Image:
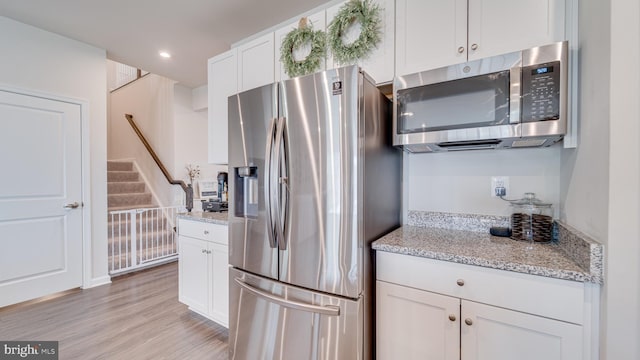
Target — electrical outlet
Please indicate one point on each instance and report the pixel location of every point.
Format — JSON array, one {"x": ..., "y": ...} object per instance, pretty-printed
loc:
[{"x": 499, "y": 186}]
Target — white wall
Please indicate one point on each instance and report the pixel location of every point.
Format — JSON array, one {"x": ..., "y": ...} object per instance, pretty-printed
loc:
[
  {"x": 460, "y": 182},
  {"x": 38, "y": 60},
  {"x": 150, "y": 101},
  {"x": 622, "y": 283},
  {"x": 191, "y": 138},
  {"x": 585, "y": 170}
]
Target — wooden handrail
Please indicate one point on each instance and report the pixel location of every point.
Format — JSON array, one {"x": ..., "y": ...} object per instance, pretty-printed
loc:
[{"x": 155, "y": 157}]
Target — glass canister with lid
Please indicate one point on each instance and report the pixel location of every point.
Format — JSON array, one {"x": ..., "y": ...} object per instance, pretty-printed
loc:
[{"x": 531, "y": 219}]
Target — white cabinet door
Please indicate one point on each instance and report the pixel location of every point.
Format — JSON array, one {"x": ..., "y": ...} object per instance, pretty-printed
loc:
[
  {"x": 492, "y": 333},
  {"x": 318, "y": 21},
  {"x": 415, "y": 324},
  {"x": 502, "y": 26},
  {"x": 430, "y": 34},
  {"x": 193, "y": 276},
  {"x": 256, "y": 63},
  {"x": 223, "y": 82},
  {"x": 219, "y": 297},
  {"x": 380, "y": 63}
]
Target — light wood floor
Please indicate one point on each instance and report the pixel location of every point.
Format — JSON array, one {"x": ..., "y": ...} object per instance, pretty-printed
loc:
[{"x": 138, "y": 316}]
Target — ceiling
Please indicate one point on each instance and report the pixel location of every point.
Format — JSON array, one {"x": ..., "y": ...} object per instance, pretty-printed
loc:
[{"x": 133, "y": 32}]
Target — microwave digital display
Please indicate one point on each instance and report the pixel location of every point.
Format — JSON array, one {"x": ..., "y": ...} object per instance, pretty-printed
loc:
[{"x": 542, "y": 70}]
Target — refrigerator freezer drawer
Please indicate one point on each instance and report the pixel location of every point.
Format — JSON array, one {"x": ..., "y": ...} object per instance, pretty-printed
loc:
[{"x": 272, "y": 320}]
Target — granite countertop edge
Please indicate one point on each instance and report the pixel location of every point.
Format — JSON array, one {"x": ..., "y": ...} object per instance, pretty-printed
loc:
[
  {"x": 220, "y": 218},
  {"x": 425, "y": 244}
]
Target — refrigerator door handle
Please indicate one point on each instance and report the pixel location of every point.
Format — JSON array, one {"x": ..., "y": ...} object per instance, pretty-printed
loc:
[
  {"x": 267, "y": 183},
  {"x": 297, "y": 305},
  {"x": 282, "y": 244}
]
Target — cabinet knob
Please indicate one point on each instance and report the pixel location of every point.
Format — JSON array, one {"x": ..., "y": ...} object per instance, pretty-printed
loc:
[
  {"x": 460, "y": 282},
  {"x": 206, "y": 232},
  {"x": 452, "y": 317},
  {"x": 461, "y": 49},
  {"x": 474, "y": 47},
  {"x": 204, "y": 251},
  {"x": 468, "y": 321}
]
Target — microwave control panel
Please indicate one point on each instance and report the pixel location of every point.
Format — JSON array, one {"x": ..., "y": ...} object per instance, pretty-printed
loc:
[{"x": 541, "y": 92}]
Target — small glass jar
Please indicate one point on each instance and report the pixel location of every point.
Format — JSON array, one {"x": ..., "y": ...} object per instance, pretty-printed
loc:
[{"x": 531, "y": 219}]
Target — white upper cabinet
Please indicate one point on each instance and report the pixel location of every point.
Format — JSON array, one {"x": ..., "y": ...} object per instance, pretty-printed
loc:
[
  {"x": 222, "y": 82},
  {"x": 436, "y": 33},
  {"x": 428, "y": 34},
  {"x": 256, "y": 63},
  {"x": 501, "y": 26},
  {"x": 318, "y": 21},
  {"x": 380, "y": 63}
]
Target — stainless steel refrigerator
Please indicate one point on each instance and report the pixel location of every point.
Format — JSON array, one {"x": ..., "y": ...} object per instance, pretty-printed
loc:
[{"x": 313, "y": 181}]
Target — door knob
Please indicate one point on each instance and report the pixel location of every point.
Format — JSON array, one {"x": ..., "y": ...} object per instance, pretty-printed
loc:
[{"x": 73, "y": 205}]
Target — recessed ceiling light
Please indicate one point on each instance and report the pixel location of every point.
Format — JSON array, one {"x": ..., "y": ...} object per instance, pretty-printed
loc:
[{"x": 165, "y": 54}]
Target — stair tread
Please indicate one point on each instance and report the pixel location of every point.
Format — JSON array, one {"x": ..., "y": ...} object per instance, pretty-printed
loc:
[{"x": 130, "y": 194}]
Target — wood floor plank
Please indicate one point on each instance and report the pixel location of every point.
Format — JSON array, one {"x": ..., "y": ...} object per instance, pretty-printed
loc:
[{"x": 137, "y": 316}]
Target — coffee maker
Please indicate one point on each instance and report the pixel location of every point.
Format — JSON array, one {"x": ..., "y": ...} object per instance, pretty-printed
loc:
[
  {"x": 223, "y": 178},
  {"x": 220, "y": 203}
]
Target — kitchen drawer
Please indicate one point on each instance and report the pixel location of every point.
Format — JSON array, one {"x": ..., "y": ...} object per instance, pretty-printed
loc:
[
  {"x": 549, "y": 297},
  {"x": 204, "y": 231}
]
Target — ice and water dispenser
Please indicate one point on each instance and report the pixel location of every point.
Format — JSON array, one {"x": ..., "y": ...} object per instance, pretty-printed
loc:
[{"x": 245, "y": 193}]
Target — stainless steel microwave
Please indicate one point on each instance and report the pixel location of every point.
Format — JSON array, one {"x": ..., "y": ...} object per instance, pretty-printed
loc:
[{"x": 506, "y": 101}]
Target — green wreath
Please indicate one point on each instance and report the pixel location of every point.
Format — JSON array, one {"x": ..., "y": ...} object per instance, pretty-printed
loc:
[
  {"x": 296, "y": 38},
  {"x": 368, "y": 15}
]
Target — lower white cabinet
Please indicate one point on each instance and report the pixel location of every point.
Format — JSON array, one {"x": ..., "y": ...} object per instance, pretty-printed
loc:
[
  {"x": 493, "y": 333},
  {"x": 445, "y": 314},
  {"x": 204, "y": 269},
  {"x": 415, "y": 324}
]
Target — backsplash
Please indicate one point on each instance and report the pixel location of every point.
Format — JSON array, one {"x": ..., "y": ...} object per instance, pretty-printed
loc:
[
  {"x": 582, "y": 249},
  {"x": 451, "y": 221}
]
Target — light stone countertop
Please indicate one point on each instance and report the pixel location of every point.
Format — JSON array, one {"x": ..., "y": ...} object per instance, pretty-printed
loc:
[
  {"x": 220, "y": 218},
  {"x": 481, "y": 249}
]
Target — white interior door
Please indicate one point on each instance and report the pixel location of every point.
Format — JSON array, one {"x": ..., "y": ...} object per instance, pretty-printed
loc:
[{"x": 40, "y": 186}]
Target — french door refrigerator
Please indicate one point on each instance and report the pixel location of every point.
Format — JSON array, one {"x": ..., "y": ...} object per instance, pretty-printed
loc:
[{"x": 313, "y": 181}]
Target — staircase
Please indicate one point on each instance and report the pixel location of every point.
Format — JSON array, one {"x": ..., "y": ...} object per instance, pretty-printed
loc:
[
  {"x": 124, "y": 187},
  {"x": 129, "y": 204}
]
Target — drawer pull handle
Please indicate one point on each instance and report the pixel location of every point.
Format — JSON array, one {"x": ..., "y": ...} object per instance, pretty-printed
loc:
[
  {"x": 460, "y": 282},
  {"x": 468, "y": 321},
  {"x": 206, "y": 232},
  {"x": 452, "y": 317}
]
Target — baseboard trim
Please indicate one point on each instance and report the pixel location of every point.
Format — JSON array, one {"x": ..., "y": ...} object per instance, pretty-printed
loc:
[{"x": 95, "y": 282}]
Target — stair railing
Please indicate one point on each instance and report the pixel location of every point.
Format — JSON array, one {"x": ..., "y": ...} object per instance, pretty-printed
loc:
[{"x": 155, "y": 157}]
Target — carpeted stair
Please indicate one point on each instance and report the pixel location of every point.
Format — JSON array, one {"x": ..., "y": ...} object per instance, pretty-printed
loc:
[{"x": 155, "y": 236}]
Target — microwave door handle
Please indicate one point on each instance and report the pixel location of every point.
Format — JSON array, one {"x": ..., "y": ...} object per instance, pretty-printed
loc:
[
  {"x": 292, "y": 304},
  {"x": 515, "y": 94},
  {"x": 276, "y": 188},
  {"x": 267, "y": 182}
]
